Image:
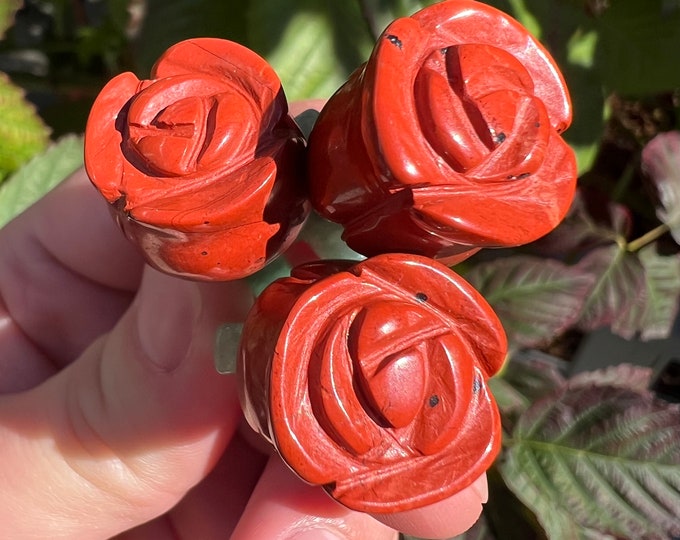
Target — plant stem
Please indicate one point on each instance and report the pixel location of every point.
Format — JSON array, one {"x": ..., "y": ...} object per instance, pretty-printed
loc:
[{"x": 648, "y": 237}]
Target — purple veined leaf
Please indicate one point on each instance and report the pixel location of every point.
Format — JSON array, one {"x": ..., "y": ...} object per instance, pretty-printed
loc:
[
  {"x": 655, "y": 317},
  {"x": 593, "y": 220},
  {"x": 535, "y": 298},
  {"x": 628, "y": 376},
  {"x": 528, "y": 376},
  {"x": 661, "y": 162},
  {"x": 618, "y": 292},
  {"x": 597, "y": 461}
]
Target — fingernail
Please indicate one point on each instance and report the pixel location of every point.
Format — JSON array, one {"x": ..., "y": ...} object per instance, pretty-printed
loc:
[
  {"x": 315, "y": 534},
  {"x": 168, "y": 310}
]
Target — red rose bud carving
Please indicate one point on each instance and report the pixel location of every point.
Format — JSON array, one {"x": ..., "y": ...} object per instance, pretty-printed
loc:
[
  {"x": 447, "y": 140},
  {"x": 370, "y": 379},
  {"x": 202, "y": 163}
]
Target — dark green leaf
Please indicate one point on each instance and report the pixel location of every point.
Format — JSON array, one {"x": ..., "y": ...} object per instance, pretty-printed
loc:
[
  {"x": 619, "y": 289},
  {"x": 167, "y": 22},
  {"x": 535, "y": 298},
  {"x": 661, "y": 163},
  {"x": 595, "y": 460},
  {"x": 22, "y": 133},
  {"x": 40, "y": 175},
  {"x": 637, "y": 46}
]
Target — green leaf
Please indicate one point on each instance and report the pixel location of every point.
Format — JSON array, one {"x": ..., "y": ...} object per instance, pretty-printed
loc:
[
  {"x": 313, "y": 45},
  {"x": 535, "y": 298},
  {"x": 22, "y": 133},
  {"x": 168, "y": 22},
  {"x": 619, "y": 287},
  {"x": 596, "y": 461},
  {"x": 661, "y": 163},
  {"x": 380, "y": 13},
  {"x": 40, "y": 175},
  {"x": 637, "y": 47},
  {"x": 7, "y": 10}
]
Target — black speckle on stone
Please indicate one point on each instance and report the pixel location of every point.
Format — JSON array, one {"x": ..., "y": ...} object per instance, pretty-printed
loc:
[
  {"x": 518, "y": 176},
  {"x": 421, "y": 297},
  {"x": 394, "y": 40},
  {"x": 537, "y": 125},
  {"x": 204, "y": 253},
  {"x": 434, "y": 400},
  {"x": 500, "y": 137}
]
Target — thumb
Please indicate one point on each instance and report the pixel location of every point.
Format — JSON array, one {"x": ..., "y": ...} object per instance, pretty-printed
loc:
[{"x": 122, "y": 433}]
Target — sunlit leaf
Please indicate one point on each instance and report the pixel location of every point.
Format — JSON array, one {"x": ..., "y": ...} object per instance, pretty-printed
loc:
[
  {"x": 598, "y": 461},
  {"x": 39, "y": 175},
  {"x": 313, "y": 45},
  {"x": 661, "y": 163},
  {"x": 7, "y": 10},
  {"x": 535, "y": 298},
  {"x": 619, "y": 288},
  {"x": 22, "y": 132}
]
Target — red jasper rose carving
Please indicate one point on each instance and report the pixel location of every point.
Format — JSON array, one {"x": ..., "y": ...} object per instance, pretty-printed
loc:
[
  {"x": 447, "y": 139},
  {"x": 370, "y": 379},
  {"x": 202, "y": 162}
]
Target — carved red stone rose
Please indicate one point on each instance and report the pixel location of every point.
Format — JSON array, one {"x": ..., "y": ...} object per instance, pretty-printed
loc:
[
  {"x": 370, "y": 379},
  {"x": 447, "y": 139},
  {"x": 202, "y": 163}
]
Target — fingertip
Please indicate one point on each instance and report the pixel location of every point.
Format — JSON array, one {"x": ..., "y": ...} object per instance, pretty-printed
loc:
[
  {"x": 283, "y": 507},
  {"x": 444, "y": 519}
]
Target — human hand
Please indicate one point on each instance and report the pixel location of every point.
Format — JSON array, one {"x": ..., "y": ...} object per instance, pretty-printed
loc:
[{"x": 113, "y": 420}]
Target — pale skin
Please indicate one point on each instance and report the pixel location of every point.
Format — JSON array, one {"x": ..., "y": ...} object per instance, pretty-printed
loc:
[{"x": 113, "y": 420}]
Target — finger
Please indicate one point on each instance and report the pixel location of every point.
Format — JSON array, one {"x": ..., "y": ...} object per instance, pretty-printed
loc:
[
  {"x": 445, "y": 519},
  {"x": 121, "y": 434},
  {"x": 282, "y": 507},
  {"x": 298, "y": 107},
  {"x": 66, "y": 275}
]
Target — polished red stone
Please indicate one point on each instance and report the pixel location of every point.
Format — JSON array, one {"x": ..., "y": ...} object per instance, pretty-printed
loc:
[
  {"x": 447, "y": 139},
  {"x": 370, "y": 379},
  {"x": 202, "y": 164}
]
